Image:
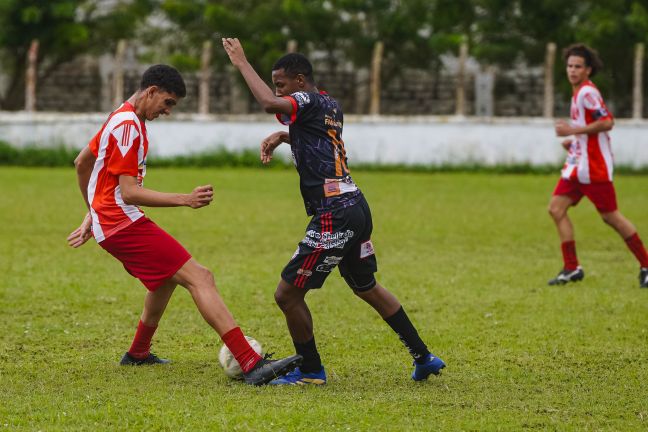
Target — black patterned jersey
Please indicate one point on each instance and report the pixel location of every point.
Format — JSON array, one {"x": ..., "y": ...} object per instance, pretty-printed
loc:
[{"x": 315, "y": 128}]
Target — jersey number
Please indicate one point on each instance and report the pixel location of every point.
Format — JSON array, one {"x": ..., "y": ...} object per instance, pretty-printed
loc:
[{"x": 341, "y": 168}]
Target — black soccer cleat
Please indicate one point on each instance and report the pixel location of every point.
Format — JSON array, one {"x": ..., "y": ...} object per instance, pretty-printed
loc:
[
  {"x": 566, "y": 276},
  {"x": 266, "y": 370},
  {"x": 152, "y": 359},
  {"x": 643, "y": 277}
]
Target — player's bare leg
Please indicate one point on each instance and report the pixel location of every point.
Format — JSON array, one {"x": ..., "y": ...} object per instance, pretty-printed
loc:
[
  {"x": 200, "y": 283},
  {"x": 571, "y": 271},
  {"x": 291, "y": 301},
  {"x": 628, "y": 233},
  {"x": 155, "y": 304},
  {"x": 383, "y": 301},
  {"x": 558, "y": 206},
  {"x": 620, "y": 223}
]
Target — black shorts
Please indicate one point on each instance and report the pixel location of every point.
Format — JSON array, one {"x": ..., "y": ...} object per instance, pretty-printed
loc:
[{"x": 341, "y": 237}]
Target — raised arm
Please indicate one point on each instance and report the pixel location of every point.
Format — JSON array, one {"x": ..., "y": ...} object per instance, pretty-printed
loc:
[
  {"x": 262, "y": 93},
  {"x": 132, "y": 194}
]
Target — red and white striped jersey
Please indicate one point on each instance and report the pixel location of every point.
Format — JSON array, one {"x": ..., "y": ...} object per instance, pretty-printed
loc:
[
  {"x": 120, "y": 148},
  {"x": 589, "y": 159}
]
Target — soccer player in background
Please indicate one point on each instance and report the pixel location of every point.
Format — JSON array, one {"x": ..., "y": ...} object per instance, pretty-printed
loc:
[
  {"x": 339, "y": 233},
  {"x": 589, "y": 165},
  {"x": 110, "y": 173}
]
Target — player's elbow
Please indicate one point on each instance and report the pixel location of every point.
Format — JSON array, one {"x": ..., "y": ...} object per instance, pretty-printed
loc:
[
  {"x": 84, "y": 162},
  {"x": 128, "y": 195},
  {"x": 606, "y": 125},
  {"x": 83, "y": 166},
  {"x": 272, "y": 106}
]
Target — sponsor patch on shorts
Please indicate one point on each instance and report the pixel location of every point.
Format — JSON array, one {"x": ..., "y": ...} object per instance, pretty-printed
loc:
[
  {"x": 304, "y": 272},
  {"x": 329, "y": 264},
  {"x": 366, "y": 249}
]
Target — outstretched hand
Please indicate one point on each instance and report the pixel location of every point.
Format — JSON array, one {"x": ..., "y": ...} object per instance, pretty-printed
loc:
[
  {"x": 79, "y": 236},
  {"x": 234, "y": 50},
  {"x": 200, "y": 197}
]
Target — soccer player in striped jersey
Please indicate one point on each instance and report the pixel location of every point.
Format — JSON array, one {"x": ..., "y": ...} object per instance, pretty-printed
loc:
[
  {"x": 110, "y": 173},
  {"x": 589, "y": 166},
  {"x": 339, "y": 233}
]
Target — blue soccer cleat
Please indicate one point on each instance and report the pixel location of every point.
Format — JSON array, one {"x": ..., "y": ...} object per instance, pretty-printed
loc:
[
  {"x": 297, "y": 377},
  {"x": 432, "y": 365}
]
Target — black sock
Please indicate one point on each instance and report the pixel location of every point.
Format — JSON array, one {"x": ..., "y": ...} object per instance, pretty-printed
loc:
[
  {"x": 308, "y": 350},
  {"x": 401, "y": 324}
]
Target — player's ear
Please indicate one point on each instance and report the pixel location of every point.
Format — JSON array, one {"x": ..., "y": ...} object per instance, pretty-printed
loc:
[
  {"x": 301, "y": 82},
  {"x": 151, "y": 90}
]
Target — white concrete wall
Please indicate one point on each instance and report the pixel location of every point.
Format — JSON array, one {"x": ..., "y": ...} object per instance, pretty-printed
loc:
[{"x": 406, "y": 140}]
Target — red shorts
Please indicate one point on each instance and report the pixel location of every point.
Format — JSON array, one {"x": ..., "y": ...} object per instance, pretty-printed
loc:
[
  {"x": 602, "y": 195},
  {"x": 147, "y": 252}
]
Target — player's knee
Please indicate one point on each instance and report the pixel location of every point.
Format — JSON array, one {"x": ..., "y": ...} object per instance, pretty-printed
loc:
[
  {"x": 554, "y": 211},
  {"x": 282, "y": 297},
  {"x": 201, "y": 278},
  {"x": 361, "y": 282},
  {"x": 609, "y": 218},
  {"x": 286, "y": 295}
]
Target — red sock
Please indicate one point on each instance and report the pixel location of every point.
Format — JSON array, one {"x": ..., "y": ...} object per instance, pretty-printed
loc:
[
  {"x": 569, "y": 255},
  {"x": 241, "y": 349},
  {"x": 636, "y": 246},
  {"x": 141, "y": 347}
]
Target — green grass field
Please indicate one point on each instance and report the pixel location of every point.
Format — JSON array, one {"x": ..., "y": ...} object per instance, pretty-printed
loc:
[{"x": 467, "y": 254}]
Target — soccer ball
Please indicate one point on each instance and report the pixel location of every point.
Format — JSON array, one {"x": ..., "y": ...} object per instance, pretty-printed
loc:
[{"x": 230, "y": 366}]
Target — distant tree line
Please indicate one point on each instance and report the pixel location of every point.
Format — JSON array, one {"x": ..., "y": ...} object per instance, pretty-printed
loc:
[{"x": 414, "y": 33}]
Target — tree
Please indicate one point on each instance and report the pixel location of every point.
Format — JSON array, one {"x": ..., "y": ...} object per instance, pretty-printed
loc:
[{"x": 65, "y": 29}]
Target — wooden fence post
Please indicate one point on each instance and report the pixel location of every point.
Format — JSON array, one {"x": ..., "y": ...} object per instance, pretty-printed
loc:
[
  {"x": 205, "y": 75},
  {"x": 550, "y": 61},
  {"x": 376, "y": 65},
  {"x": 460, "y": 108},
  {"x": 118, "y": 74},
  {"x": 637, "y": 88},
  {"x": 30, "y": 78}
]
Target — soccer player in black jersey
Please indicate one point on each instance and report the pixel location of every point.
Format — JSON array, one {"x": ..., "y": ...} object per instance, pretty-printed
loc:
[{"x": 339, "y": 233}]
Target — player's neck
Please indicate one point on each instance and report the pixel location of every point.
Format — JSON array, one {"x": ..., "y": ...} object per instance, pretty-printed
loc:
[
  {"x": 136, "y": 101},
  {"x": 579, "y": 84}
]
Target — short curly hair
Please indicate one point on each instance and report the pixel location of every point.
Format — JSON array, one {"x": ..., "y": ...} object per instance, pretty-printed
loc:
[
  {"x": 166, "y": 77},
  {"x": 592, "y": 59},
  {"x": 294, "y": 64}
]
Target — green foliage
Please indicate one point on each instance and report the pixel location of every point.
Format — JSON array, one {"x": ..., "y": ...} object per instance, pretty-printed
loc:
[
  {"x": 341, "y": 32},
  {"x": 36, "y": 156},
  {"x": 468, "y": 255},
  {"x": 65, "y": 29},
  {"x": 62, "y": 156}
]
